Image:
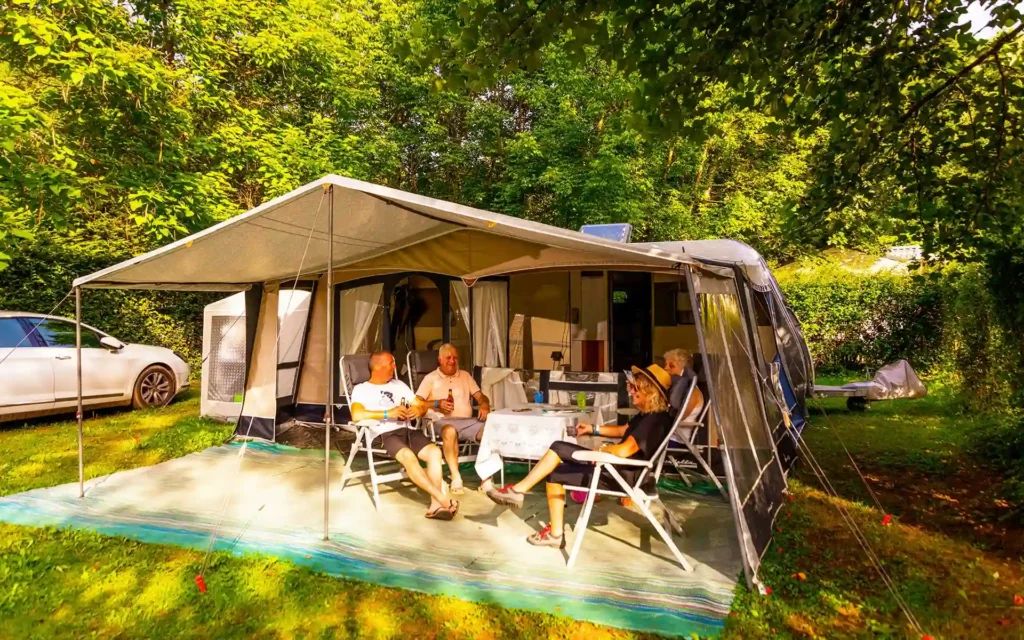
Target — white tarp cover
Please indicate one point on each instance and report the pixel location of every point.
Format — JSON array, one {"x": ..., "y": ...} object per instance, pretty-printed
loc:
[
  {"x": 897, "y": 380},
  {"x": 891, "y": 382},
  {"x": 377, "y": 229}
]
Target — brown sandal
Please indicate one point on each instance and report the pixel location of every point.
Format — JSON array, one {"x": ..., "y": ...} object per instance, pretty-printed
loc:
[{"x": 440, "y": 513}]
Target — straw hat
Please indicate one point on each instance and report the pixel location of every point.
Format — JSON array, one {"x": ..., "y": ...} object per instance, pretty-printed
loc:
[{"x": 661, "y": 379}]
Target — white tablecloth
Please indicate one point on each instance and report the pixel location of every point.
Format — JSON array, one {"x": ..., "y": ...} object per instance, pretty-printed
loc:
[{"x": 526, "y": 435}]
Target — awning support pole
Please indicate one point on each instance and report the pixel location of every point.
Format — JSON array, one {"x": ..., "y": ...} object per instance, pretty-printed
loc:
[
  {"x": 329, "y": 412},
  {"x": 78, "y": 366}
]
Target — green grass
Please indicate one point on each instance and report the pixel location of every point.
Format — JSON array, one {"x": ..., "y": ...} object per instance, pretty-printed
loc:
[
  {"x": 68, "y": 583},
  {"x": 39, "y": 453},
  {"x": 955, "y": 557}
]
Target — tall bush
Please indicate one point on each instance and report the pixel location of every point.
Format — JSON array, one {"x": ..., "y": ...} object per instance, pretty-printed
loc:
[{"x": 977, "y": 347}]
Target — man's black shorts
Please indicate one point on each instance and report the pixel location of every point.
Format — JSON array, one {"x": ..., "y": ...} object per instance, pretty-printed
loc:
[{"x": 395, "y": 441}]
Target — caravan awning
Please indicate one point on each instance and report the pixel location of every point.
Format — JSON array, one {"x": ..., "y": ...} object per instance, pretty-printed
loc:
[{"x": 376, "y": 229}]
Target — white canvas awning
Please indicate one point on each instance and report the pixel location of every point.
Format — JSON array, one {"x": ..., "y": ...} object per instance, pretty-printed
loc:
[{"x": 376, "y": 230}]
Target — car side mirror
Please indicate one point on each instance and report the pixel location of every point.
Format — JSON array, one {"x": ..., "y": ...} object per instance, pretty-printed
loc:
[{"x": 111, "y": 343}]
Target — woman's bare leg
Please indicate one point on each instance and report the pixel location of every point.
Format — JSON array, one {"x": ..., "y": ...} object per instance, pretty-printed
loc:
[
  {"x": 541, "y": 470},
  {"x": 556, "y": 507}
]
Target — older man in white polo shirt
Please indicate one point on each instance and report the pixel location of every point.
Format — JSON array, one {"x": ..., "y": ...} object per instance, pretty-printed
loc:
[{"x": 451, "y": 391}]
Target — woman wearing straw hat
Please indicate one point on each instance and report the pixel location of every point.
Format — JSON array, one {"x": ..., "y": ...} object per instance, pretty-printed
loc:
[{"x": 639, "y": 439}]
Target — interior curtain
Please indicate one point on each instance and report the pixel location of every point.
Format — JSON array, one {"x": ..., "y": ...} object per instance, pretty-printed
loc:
[
  {"x": 490, "y": 323},
  {"x": 462, "y": 299},
  {"x": 359, "y": 307}
]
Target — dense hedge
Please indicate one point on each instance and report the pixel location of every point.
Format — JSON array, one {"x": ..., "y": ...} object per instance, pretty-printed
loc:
[
  {"x": 42, "y": 276},
  {"x": 853, "y": 321},
  {"x": 939, "y": 319}
]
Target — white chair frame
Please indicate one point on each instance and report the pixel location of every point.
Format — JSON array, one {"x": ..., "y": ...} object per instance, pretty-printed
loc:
[
  {"x": 364, "y": 443},
  {"x": 642, "y": 499}
]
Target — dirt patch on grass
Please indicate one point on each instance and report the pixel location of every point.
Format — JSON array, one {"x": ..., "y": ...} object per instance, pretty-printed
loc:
[
  {"x": 966, "y": 503},
  {"x": 303, "y": 436}
]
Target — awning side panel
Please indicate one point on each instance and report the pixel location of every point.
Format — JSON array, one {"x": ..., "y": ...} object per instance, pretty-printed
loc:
[
  {"x": 259, "y": 404},
  {"x": 755, "y": 477}
]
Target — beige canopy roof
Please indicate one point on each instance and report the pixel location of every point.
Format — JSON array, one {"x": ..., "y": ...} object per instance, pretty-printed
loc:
[{"x": 376, "y": 229}]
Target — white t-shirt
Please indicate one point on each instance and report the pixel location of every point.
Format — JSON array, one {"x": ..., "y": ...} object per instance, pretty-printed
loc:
[{"x": 378, "y": 397}]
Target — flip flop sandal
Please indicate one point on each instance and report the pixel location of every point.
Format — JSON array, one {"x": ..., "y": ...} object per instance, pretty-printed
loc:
[
  {"x": 440, "y": 513},
  {"x": 454, "y": 509}
]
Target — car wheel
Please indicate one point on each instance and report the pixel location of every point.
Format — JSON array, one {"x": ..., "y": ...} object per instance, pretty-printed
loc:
[{"x": 154, "y": 388}]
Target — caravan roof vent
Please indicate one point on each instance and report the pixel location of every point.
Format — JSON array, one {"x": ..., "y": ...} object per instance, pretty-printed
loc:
[{"x": 619, "y": 232}]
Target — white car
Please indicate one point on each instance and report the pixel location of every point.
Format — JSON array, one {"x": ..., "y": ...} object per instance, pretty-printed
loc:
[{"x": 38, "y": 369}]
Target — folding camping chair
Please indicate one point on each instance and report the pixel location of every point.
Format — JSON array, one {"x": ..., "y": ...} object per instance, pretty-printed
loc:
[
  {"x": 686, "y": 435},
  {"x": 354, "y": 370},
  {"x": 418, "y": 364},
  {"x": 642, "y": 496}
]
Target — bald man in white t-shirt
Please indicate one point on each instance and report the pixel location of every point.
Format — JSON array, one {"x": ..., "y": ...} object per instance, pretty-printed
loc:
[
  {"x": 391, "y": 403},
  {"x": 458, "y": 423}
]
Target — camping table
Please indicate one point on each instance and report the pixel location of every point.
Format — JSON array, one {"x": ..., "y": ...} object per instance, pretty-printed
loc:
[{"x": 524, "y": 432}]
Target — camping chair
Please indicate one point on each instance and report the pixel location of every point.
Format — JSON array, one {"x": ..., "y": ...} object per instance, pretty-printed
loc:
[
  {"x": 354, "y": 370},
  {"x": 686, "y": 435},
  {"x": 643, "y": 492},
  {"x": 418, "y": 364}
]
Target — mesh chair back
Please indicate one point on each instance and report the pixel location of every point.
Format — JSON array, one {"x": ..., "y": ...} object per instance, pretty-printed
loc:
[
  {"x": 679, "y": 393},
  {"x": 659, "y": 454},
  {"x": 355, "y": 369},
  {"x": 420, "y": 363}
]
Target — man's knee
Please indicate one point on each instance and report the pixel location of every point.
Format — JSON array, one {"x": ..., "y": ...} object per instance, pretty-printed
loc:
[
  {"x": 430, "y": 453},
  {"x": 406, "y": 457},
  {"x": 449, "y": 434}
]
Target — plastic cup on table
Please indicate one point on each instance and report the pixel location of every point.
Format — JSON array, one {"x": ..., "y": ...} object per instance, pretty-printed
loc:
[
  {"x": 538, "y": 397},
  {"x": 581, "y": 401}
]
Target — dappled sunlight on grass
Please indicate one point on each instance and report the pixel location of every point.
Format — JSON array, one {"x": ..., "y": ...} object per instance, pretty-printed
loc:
[
  {"x": 112, "y": 588},
  {"x": 40, "y": 454},
  {"x": 165, "y": 590},
  {"x": 147, "y": 590},
  {"x": 953, "y": 590}
]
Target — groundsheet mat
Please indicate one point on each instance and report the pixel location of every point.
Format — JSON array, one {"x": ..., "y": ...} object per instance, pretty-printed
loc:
[{"x": 270, "y": 501}]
